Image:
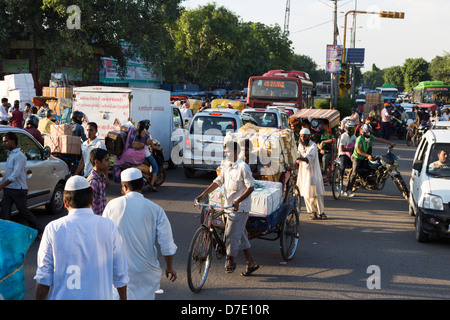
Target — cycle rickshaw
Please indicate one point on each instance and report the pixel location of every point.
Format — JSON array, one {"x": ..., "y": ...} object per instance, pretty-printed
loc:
[
  {"x": 315, "y": 118},
  {"x": 282, "y": 224}
]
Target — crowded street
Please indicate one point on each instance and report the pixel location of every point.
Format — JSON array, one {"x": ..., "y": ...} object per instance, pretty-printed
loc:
[{"x": 333, "y": 257}]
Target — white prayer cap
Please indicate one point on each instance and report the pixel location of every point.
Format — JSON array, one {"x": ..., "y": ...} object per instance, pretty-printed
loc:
[
  {"x": 305, "y": 131},
  {"x": 76, "y": 183},
  {"x": 130, "y": 174}
]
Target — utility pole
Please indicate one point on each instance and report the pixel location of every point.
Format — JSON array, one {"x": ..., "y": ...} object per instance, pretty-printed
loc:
[
  {"x": 286, "y": 17},
  {"x": 352, "y": 94},
  {"x": 334, "y": 78}
]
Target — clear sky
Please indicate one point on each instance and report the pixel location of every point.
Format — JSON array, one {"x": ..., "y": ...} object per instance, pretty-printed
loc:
[{"x": 424, "y": 32}]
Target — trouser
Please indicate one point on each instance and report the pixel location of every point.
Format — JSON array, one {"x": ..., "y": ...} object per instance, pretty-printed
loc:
[
  {"x": 19, "y": 198},
  {"x": 385, "y": 127},
  {"x": 315, "y": 204},
  {"x": 151, "y": 160},
  {"x": 346, "y": 162},
  {"x": 356, "y": 165},
  {"x": 236, "y": 238}
]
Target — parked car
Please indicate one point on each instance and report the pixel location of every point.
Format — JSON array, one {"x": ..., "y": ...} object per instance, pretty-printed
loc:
[
  {"x": 429, "y": 198},
  {"x": 46, "y": 175},
  {"x": 269, "y": 118},
  {"x": 204, "y": 144}
]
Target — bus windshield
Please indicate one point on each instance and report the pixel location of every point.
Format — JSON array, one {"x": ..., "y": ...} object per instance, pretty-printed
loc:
[
  {"x": 274, "y": 89},
  {"x": 438, "y": 96}
]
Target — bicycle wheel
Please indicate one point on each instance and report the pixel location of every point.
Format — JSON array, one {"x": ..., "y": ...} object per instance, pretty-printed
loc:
[
  {"x": 293, "y": 192},
  {"x": 199, "y": 259},
  {"x": 336, "y": 182},
  {"x": 289, "y": 234}
]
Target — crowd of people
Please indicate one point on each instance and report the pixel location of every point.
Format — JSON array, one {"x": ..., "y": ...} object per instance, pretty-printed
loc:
[{"x": 99, "y": 244}]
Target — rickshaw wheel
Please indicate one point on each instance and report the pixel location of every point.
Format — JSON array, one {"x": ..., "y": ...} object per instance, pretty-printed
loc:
[
  {"x": 289, "y": 234},
  {"x": 336, "y": 186},
  {"x": 293, "y": 191}
]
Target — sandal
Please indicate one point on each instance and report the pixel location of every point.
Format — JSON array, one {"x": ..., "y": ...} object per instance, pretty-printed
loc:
[
  {"x": 250, "y": 270},
  {"x": 230, "y": 267},
  {"x": 152, "y": 188}
]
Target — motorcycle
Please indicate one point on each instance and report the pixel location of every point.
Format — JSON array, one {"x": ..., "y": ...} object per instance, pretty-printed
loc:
[
  {"x": 399, "y": 129},
  {"x": 373, "y": 176},
  {"x": 145, "y": 168},
  {"x": 423, "y": 127}
]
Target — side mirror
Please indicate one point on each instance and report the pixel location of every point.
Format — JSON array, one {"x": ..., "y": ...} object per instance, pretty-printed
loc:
[
  {"x": 47, "y": 152},
  {"x": 417, "y": 165}
]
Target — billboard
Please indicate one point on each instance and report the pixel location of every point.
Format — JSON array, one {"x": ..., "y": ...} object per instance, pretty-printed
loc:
[{"x": 334, "y": 59}]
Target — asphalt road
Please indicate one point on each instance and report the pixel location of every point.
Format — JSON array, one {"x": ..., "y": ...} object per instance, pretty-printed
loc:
[{"x": 365, "y": 250}]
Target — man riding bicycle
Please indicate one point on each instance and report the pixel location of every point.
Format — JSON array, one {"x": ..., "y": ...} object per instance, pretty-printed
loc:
[
  {"x": 236, "y": 178},
  {"x": 346, "y": 147}
]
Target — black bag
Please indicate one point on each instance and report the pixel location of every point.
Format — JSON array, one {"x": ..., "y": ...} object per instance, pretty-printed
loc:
[{"x": 115, "y": 142}]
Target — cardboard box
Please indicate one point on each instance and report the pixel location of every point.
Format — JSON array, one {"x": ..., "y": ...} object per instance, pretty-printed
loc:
[
  {"x": 63, "y": 144},
  {"x": 19, "y": 81},
  {"x": 64, "y": 92},
  {"x": 61, "y": 130}
]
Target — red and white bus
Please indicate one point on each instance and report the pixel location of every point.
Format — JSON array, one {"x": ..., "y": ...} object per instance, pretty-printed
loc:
[{"x": 279, "y": 86}]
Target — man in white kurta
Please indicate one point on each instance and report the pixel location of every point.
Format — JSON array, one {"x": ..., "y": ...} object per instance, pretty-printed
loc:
[
  {"x": 310, "y": 181},
  {"x": 142, "y": 225},
  {"x": 80, "y": 256}
]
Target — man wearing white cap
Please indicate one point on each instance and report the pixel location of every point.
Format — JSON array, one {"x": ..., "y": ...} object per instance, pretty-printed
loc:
[
  {"x": 309, "y": 179},
  {"x": 142, "y": 225},
  {"x": 81, "y": 255}
]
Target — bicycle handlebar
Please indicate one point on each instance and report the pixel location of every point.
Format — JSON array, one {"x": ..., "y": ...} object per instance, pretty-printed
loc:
[{"x": 211, "y": 205}]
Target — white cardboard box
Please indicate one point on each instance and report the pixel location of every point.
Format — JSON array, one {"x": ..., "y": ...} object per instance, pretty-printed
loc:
[{"x": 19, "y": 81}]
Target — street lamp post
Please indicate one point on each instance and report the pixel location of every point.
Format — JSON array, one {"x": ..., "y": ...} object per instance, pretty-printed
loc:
[{"x": 382, "y": 14}]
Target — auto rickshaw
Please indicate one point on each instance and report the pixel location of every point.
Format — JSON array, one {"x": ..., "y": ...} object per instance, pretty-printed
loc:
[{"x": 314, "y": 122}]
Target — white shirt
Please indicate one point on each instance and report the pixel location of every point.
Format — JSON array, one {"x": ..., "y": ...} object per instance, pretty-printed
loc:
[
  {"x": 309, "y": 174},
  {"x": 236, "y": 178},
  {"x": 81, "y": 257},
  {"x": 347, "y": 142},
  {"x": 142, "y": 225},
  {"x": 86, "y": 149},
  {"x": 4, "y": 116},
  {"x": 16, "y": 169}
]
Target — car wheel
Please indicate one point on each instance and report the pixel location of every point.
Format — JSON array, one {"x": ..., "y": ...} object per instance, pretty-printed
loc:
[
  {"x": 421, "y": 236},
  {"x": 56, "y": 205}
]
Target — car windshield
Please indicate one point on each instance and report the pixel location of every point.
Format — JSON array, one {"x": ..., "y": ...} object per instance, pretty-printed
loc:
[
  {"x": 213, "y": 125},
  {"x": 264, "y": 119},
  {"x": 439, "y": 160}
]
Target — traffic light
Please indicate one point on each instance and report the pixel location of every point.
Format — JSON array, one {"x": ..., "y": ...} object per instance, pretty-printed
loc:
[
  {"x": 391, "y": 14},
  {"x": 343, "y": 84}
]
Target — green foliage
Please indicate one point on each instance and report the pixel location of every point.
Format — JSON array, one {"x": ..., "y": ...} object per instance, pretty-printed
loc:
[
  {"x": 395, "y": 75},
  {"x": 440, "y": 68},
  {"x": 373, "y": 79},
  {"x": 345, "y": 105},
  {"x": 415, "y": 70}
]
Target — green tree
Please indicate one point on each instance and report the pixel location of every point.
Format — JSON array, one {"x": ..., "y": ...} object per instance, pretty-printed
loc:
[
  {"x": 205, "y": 43},
  {"x": 415, "y": 70},
  {"x": 105, "y": 26},
  {"x": 307, "y": 64},
  {"x": 395, "y": 75},
  {"x": 440, "y": 68}
]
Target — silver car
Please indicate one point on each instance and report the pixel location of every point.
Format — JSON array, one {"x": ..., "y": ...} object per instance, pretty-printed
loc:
[{"x": 46, "y": 175}]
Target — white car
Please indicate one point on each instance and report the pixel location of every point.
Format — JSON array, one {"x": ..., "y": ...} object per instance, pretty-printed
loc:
[
  {"x": 429, "y": 197},
  {"x": 46, "y": 175},
  {"x": 269, "y": 118},
  {"x": 203, "y": 149}
]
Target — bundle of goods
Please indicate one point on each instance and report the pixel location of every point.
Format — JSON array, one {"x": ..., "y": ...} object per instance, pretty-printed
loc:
[
  {"x": 274, "y": 147},
  {"x": 265, "y": 198},
  {"x": 62, "y": 140},
  {"x": 115, "y": 142},
  {"x": 18, "y": 87}
]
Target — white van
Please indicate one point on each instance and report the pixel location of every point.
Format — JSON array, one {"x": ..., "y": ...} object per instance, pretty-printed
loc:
[
  {"x": 112, "y": 106},
  {"x": 429, "y": 197}
]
